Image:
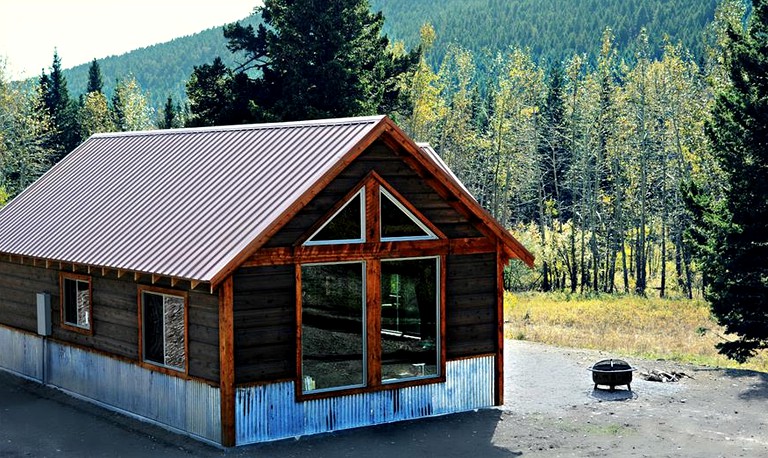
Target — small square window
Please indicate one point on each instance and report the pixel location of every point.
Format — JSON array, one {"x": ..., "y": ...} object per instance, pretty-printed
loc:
[{"x": 76, "y": 302}]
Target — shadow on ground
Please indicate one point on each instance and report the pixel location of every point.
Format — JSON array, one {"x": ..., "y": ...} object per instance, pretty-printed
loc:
[
  {"x": 460, "y": 435},
  {"x": 36, "y": 420},
  {"x": 758, "y": 389},
  {"x": 613, "y": 395}
]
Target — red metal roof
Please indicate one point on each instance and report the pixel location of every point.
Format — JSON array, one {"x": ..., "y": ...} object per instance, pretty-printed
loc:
[
  {"x": 191, "y": 203},
  {"x": 179, "y": 203}
]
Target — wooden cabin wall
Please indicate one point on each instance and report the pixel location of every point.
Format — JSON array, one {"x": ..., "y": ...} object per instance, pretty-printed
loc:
[
  {"x": 380, "y": 158},
  {"x": 18, "y": 287},
  {"x": 470, "y": 308},
  {"x": 265, "y": 323},
  {"x": 115, "y": 318}
]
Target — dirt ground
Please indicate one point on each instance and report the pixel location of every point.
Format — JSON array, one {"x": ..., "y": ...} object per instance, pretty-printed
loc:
[
  {"x": 559, "y": 413},
  {"x": 551, "y": 410}
]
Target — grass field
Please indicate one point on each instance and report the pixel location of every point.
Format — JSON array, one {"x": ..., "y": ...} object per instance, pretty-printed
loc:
[{"x": 674, "y": 329}]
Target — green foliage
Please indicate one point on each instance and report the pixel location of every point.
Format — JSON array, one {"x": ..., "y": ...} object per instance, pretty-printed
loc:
[
  {"x": 731, "y": 227},
  {"x": 130, "y": 108},
  {"x": 25, "y": 136},
  {"x": 308, "y": 60}
]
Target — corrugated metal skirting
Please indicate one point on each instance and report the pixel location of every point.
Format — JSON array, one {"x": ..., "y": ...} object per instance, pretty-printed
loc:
[
  {"x": 187, "y": 405},
  {"x": 270, "y": 412},
  {"x": 21, "y": 353}
]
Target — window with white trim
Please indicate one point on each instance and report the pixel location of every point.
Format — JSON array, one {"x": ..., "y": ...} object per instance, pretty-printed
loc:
[{"x": 372, "y": 321}]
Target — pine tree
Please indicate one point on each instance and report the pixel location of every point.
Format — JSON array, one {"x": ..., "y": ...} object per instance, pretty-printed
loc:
[
  {"x": 62, "y": 110},
  {"x": 314, "y": 60},
  {"x": 731, "y": 230},
  {"x": 95, "y": 83}
]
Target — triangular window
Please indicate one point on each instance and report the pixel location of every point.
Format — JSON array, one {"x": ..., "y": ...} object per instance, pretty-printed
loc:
[
  {"x": 347, "y": 225},
  {"x": 397, "y": 223}
]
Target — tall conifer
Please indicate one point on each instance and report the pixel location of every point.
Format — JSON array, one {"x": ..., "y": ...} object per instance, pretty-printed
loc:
[{"x": 731, "y": 231}]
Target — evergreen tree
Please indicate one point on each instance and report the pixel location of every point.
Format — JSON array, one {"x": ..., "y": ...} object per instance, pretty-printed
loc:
[
  {"x": 314, "y": 60},
  {"x": 731, "y": 230},
  {"x": 62, "y": 110},
  {"x": 95, "y": 83},
  {"x": 171, "y": 118}
]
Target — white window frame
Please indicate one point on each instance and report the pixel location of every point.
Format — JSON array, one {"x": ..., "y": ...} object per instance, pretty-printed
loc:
[
  {"x": 364, "y": 284},
  {"x": 361, "y": 239},
  {"x": 438, "y": 340},
  {"x": 383, "y": 193}
]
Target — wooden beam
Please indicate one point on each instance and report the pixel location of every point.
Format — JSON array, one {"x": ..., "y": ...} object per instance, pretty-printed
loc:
[
  {"x": 136, "y": 276},
  {"x": 193, "y": 284},
  {"x": 155, "y": 278},
  {"x": 227, "y": 362},
  {"x": 335, "y": 253}
]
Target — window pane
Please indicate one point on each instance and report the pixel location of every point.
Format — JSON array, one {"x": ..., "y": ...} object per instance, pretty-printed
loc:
[
  {"x": 152, "y": 328},
  {"x": 174, "y": 331},
  {"x": 83, "y": 303},
  {"x": 409, "y": 319},
  {"x": 345, "y": 225},
  {"x": 396, "y": 223},
  {"x": 70, "y": 301},
  {"x": 76, "y": 302},
  {"x": 332, "y": 325}
]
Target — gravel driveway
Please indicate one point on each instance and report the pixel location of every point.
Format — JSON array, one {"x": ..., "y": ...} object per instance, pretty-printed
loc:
[{"x": 551, "y": 411}]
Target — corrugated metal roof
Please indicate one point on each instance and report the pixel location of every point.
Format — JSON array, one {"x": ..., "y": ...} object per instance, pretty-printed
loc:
[{"x": 181, "y": 203}]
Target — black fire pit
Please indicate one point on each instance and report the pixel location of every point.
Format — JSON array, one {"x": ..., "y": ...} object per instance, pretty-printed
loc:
[{"x": 612, "y": 373}]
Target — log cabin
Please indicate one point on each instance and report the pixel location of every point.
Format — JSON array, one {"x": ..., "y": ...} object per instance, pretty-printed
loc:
[{"x": 251, "y": 283}]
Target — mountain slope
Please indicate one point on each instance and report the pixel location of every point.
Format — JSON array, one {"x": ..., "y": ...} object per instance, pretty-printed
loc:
[
  {"x": 551, "y": 29},
  {"x": 161, "y": 69}
]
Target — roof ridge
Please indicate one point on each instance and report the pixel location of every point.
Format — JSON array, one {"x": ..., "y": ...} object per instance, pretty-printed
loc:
[{"x": 237, "y": 127}]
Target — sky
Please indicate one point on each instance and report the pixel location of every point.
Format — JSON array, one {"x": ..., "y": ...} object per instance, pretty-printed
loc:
[{"x": 82, "y": 30}]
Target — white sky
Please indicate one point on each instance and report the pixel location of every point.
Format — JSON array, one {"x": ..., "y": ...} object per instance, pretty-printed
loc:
[{"x": 82, "y": 30}]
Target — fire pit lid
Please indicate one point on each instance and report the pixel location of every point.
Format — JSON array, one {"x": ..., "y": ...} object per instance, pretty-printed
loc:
[{"x": 612, "y": 365}]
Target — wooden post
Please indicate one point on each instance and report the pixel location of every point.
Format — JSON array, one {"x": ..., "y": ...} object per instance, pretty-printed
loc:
[
  {"x": 499, "y": 388},
  {"x": 373, "y": 312},
  {"x": 227, "y": 362}
]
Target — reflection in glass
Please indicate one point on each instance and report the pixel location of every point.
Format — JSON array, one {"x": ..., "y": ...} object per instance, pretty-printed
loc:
[
  {"x": 332, "y": 325},
  {"x": 409, "y": 319},
  {"x": 344, "y": 226},
  {"x": 399, "y": 223}
]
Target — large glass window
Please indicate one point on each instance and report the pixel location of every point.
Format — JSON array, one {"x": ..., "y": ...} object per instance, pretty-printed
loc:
[
  {"x": 333, "y": 325},
  {"x": 76, "y": 302},
  {"x": 164, "y": 329},
  {"x": 409, "y": 318}
]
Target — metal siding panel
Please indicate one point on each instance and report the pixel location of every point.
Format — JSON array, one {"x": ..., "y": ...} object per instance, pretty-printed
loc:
[
  {"x": 21, "y": 353},
  {"x": 270, "y": 412},
  {"x": 187, "y": 405}
]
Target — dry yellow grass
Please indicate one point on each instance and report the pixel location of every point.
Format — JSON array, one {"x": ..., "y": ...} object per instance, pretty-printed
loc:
[{"x": 673, "y": 329}]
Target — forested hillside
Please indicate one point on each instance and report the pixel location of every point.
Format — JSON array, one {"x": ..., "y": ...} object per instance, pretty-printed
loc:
[
  {"x": 552, "y": 29},
  {"x": 163, "y": 69}
]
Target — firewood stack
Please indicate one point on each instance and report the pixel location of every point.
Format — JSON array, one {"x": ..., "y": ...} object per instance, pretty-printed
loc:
[{"x": 664, "y": 377}]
